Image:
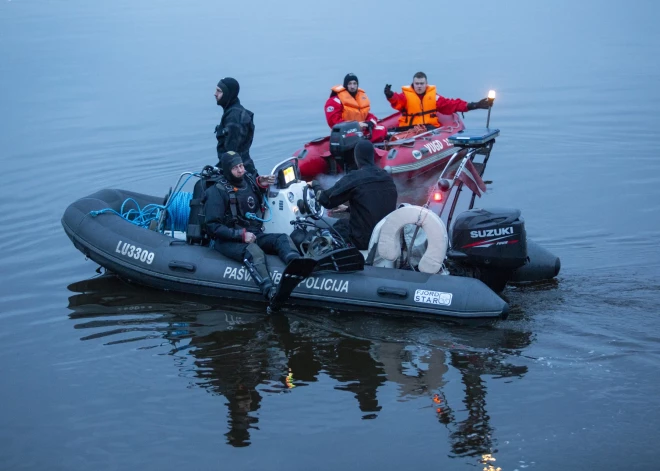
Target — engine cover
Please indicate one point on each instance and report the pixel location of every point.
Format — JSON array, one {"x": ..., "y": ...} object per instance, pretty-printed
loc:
[
  {"x": 344, "y": 137},
  {"x": 493, "y": 238}
]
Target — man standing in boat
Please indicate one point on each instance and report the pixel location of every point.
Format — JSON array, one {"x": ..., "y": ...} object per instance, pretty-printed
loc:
[
  {"x": 370, "y": 192},
  {"x": 419, "y": 103},
  {"x": 234, "y": 212},
  {"x": 350, "y": 103},
  {"x": 236, "y": 129}
]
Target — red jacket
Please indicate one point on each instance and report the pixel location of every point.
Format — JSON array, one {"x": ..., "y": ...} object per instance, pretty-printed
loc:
[
  {"x": 334, "y": 111},
  {"x": 443, "y": 105}
]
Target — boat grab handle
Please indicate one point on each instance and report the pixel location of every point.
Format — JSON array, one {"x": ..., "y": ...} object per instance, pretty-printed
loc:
[
  {"x": 185, "y": 266},
  {"x": 392, "y": 292}
]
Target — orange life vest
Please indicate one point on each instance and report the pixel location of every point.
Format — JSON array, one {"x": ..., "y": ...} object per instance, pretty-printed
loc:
[
  {"x": 419, "y": 111},
  {"x": 355, "y": 109}
]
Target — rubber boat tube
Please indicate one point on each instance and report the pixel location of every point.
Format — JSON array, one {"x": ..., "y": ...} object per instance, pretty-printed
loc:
[
  {"x": 157, "y": 260},
  {"x": 542, "y": 265}
]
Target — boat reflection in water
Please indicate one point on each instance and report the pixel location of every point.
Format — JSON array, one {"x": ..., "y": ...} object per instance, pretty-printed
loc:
[{"x": 243, "y": 355}]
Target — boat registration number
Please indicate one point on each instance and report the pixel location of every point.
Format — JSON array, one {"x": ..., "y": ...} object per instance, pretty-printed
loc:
[
  {"x": 436, "y": 145},
  {"x": 433, "y": 297},
  {"x": 132, "y": 251}
]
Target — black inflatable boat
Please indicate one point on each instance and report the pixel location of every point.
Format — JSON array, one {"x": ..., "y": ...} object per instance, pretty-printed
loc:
[
  {"x": 158, "y": 260},
  {"x": 449, "y": 279}
]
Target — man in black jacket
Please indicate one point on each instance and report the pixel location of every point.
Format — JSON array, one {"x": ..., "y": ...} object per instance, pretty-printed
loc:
[
  {"x": 236, "y": 129},
  {"x": 370, "y": 192},
  {"x": 233, "y": 213}
]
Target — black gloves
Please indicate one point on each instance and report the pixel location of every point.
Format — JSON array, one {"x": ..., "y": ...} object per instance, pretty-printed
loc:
[
  {"x": 482, "y": 104},
  {"x": 388, "y": 91}
]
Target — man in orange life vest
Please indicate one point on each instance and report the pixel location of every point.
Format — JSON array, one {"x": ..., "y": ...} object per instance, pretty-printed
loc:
[
  {"x": 419, "y": 103},
  {"x": 350, "y": 103}
]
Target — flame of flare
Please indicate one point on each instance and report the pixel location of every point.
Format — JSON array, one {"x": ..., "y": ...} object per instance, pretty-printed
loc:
[
  {"x": 289, "y": 380},
  {"x": 486, "y": 459}
]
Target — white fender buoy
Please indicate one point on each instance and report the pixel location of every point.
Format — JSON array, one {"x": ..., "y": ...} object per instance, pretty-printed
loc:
[{"x": 389, "y": 237}]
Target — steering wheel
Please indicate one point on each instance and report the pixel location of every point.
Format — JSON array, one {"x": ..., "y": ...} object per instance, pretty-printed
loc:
[{"x": 312, "y": 206}]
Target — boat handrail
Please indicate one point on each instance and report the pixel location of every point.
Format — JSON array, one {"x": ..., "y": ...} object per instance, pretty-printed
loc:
[{"x": 448, "y": 128}]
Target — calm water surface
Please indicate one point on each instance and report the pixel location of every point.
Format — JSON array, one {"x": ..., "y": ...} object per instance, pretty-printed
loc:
[{"x": 98, "y": 374}]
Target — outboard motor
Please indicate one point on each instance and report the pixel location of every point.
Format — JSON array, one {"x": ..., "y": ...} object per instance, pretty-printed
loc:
[
  {"x": 343, "y": 139},
  {"x": 493, "y": 241}
]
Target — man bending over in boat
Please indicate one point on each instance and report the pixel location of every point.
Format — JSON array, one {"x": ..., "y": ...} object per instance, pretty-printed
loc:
[
  {"x": 419, "y": 103},
  {"x": 228, "y": 206},
  {"x": 370, "y": 192},
  {"x": 350, "y": 103},
  {"x": 236, "y": 129}
]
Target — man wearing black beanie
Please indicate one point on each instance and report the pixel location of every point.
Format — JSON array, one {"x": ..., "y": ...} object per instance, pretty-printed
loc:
[
  {"x": 234, "y": 221},
  {"x": 236, "y": 129},
  {"x": 351, "y": 77},
  {"x": 350, "y": 103}
]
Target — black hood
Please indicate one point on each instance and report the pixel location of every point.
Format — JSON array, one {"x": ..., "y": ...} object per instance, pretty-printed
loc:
[
  {"x": 364, "y": 153},
  {"x": 230, "y": 89},
  {"x": 348, "y": 78},
  {"x": 229, "y": 160}
]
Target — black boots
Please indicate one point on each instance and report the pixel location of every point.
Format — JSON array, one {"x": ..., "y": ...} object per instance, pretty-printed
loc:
[{"x": 261, "y": 277}]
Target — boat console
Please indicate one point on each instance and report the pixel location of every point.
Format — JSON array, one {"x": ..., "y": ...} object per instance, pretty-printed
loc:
[
  {"x": 289, "y": 198},
  {"x": 287, "y": 173}
]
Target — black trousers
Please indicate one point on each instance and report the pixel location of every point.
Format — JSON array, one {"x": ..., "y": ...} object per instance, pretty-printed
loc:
[{"x": 272, "y": 244}]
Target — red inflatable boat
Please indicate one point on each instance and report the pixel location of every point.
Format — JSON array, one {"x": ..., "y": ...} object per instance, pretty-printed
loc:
[{"x": 405, "y": 154}]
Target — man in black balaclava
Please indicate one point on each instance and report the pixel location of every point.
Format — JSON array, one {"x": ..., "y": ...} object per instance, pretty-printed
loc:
[
  {"x": 370, "y": 193},
  {"x": 237, "y": 235},
  {"x": 236, "y": 129},
  {"x": 351, "y": 83},
  {"x": 350, "y": 103}
]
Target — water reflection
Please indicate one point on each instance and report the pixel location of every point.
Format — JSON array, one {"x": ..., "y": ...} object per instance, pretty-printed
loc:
[
  {"x": 473, "y": 435},
  {"x": 243, "y": 355}
]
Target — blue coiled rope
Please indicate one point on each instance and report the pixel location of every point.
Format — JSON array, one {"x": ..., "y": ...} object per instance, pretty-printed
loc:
[{"x": 177, "y": 210}]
